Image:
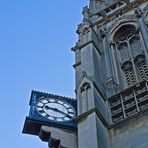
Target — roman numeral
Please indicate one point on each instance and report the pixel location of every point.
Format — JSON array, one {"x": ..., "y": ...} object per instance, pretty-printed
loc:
[{"x": 40, "y": 104}]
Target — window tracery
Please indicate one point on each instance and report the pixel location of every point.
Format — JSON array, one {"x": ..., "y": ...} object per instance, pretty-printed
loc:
[
  {"x": 124, "y": 52},
  {"x": 128, "y": 46},
  {"x": 124, "y": 33},
  {"x": 136, "y": 46}
]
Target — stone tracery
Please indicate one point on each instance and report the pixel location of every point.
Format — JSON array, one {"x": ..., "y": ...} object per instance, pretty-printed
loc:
[{"x": 129, "y": 46}]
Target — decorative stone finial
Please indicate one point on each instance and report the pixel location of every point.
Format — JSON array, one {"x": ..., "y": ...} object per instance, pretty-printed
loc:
[{"x": 86, "y": 13}]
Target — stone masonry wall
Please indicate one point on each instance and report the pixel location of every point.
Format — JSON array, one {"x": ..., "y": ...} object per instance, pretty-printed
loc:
[{"x": 132, "y": 134}]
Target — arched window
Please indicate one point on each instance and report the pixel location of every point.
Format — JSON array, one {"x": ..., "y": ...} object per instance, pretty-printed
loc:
[{"x": 129, "y": 47}]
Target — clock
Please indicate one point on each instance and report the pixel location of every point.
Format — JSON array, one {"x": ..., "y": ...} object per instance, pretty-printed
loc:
[
  {"x": 55, "y": 109},
  {"x": 50, "y": 110}
]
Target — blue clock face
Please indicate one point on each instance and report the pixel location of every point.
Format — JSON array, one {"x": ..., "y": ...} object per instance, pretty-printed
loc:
[{"x": 55, "y": 109}]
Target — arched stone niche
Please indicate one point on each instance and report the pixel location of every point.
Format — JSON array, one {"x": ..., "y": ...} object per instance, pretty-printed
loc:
[{"x": 85, "y": 99}]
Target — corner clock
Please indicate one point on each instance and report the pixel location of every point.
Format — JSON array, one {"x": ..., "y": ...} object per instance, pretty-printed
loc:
[
  {"x": 55, "y": 110},
  {"x": 51, "y": 110}
]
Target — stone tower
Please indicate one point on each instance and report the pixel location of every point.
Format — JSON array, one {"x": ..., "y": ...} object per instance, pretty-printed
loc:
[
  {"x": 111, "y": 67},
  {"x": 111, "y": 77}
]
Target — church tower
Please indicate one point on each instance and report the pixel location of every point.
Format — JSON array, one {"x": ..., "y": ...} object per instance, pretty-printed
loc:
[
  {"x": 111, "y": 78},
  {"x": 111, "y": 67}
]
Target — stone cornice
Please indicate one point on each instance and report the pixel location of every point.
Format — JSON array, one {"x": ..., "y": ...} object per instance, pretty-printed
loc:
[
  {"x": 89, "y": 112},
  {"x": 34, "y": 93},
  {"x": 105, "y": 123},
  {"x": 113, "y": 10},
  {"x": 85, "y": 44},
  {"x": 77, "y": 64}
]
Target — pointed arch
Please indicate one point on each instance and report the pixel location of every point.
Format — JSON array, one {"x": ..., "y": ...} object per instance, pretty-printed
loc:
[
  {"x": 120, "y": 24},
  {"x": 128, "y": 46}
]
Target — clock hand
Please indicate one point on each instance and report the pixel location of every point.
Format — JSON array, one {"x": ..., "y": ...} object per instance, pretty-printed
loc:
[
  {"x": 47, "y": 107},
  {"x": 54, "y": 109},
  {"x": 63, "y": 113},
  {"x": 57, "y": 110}
]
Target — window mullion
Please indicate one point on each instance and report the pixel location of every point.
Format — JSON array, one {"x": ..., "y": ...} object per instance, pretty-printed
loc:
[
  {"x": 134, "y": 68},
  {"x": 143, "y": 45}
]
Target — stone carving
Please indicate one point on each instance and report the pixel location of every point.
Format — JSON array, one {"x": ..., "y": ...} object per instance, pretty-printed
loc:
[
  {"x": 85, "y": 86},
  {"x": 103, "y": 32},
  {"x": 97, "y": 5},
  {"x": 86, "y": 13},
  {"x": 138, "y": 13}
]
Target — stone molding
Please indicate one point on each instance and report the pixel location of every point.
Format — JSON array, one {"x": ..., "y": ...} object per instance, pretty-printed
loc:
[{"x": 58, "y": 138}]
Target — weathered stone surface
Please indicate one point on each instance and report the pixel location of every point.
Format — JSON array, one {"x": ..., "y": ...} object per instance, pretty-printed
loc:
[{"x": 132, "y": 134}]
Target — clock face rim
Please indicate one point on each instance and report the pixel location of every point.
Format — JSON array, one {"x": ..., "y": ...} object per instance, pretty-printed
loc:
[{"x": 58, "y": 102}]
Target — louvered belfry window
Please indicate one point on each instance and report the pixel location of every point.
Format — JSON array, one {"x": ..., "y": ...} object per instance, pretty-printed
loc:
[
  {"x": 131, "y": 54},
  {"x": 129, "y": 73},
  {"x": 141, "y": 67}
]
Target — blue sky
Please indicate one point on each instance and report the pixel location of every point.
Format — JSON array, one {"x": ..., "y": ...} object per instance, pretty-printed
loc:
[{"x": 35, "y": 41}]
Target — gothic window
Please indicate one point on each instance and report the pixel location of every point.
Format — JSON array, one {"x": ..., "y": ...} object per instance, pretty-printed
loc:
[
  {"x": 128, "y": 47},
  {"x": 124, "y": 33}
]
